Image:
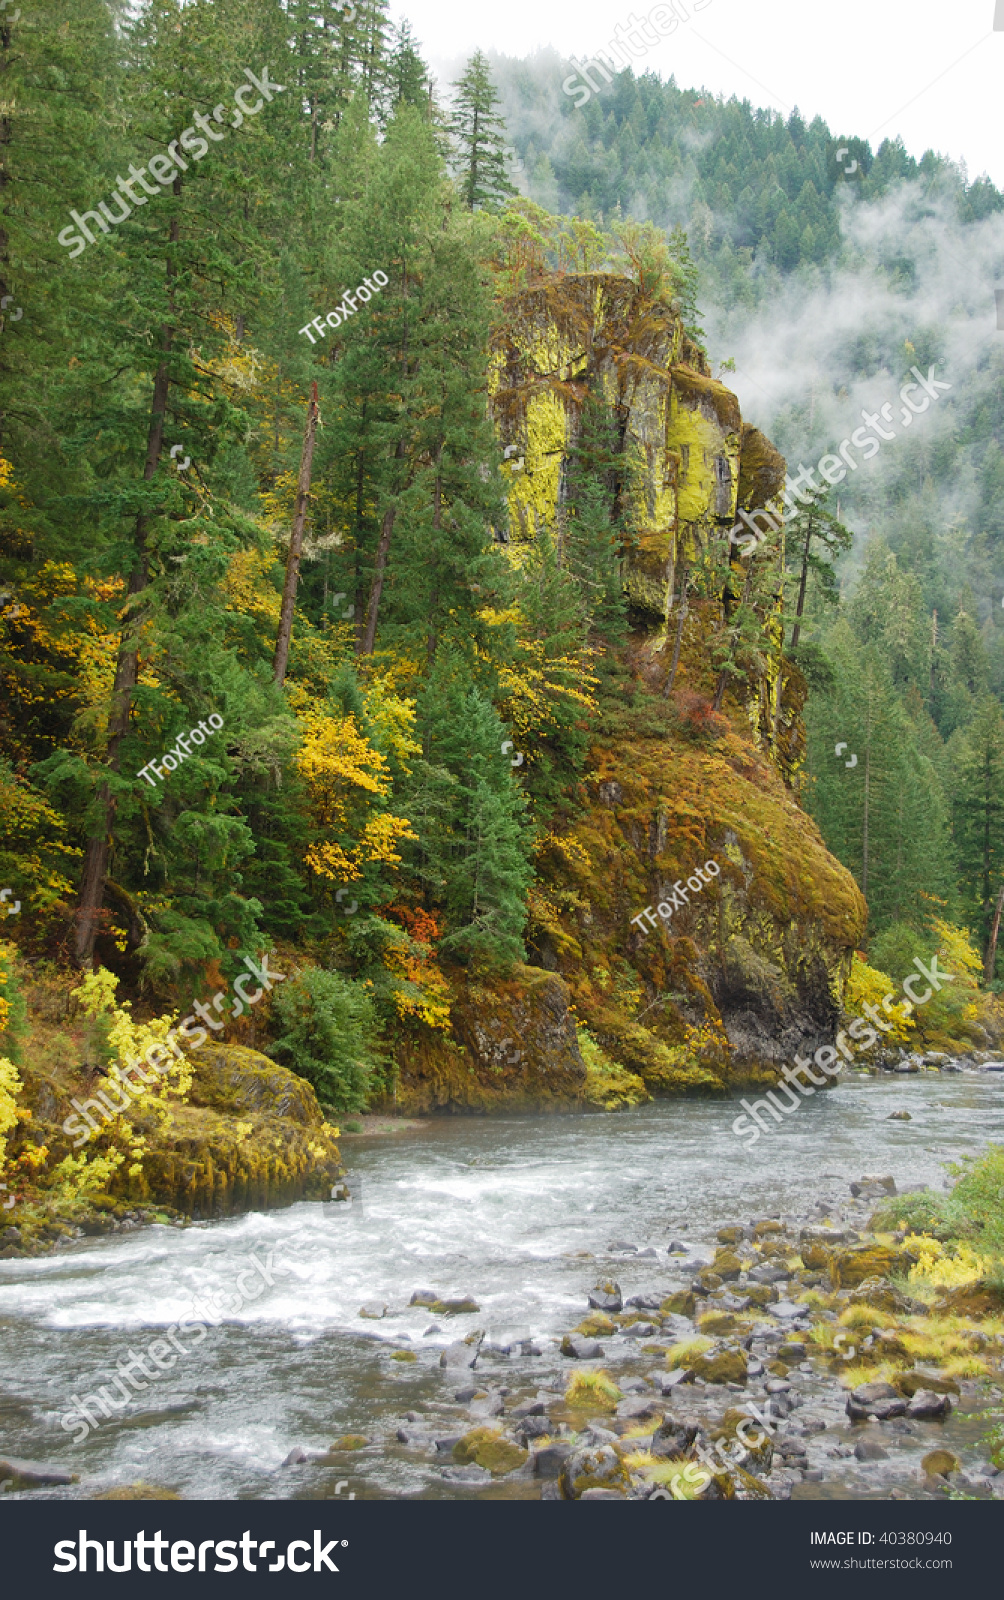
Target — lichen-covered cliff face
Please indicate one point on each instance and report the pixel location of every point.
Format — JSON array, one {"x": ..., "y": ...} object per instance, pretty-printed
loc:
[{"x": 752, "y": 965}]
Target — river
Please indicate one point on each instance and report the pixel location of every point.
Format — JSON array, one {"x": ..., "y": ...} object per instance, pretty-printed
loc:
[{"x": 494, "y": 1208}]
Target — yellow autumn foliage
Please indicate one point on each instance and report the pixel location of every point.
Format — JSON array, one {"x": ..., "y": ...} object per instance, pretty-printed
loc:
[{"x": 346, "y": 778}]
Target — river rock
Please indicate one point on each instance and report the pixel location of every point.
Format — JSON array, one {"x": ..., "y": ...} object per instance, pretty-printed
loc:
[
  {"x": 817, "y": 1234},
  {"x": 532, "y": 1428},
  {"x": 681, "y": 1304},
  {"x": 879, "y": 1400},
  {"x": 639, "y": 1330},
  {"x": 622, "y": 1246},
  {"x": 850, "y": 1267},
  {"x": 33, "y": 1475},
  {"x": 471, "y": 1473},
  {"x": 973, "y": 1301},
  {"x": 606, "y": 1296},
  {"x": 899, "y": 1116},
  {"x": 909, "y": 1383},
  {"x": 873, "y": 1188},
  {"x": 939, "y": 1463},
  {"x": 869, "y": 1450},
  {"x": 727, "y": 1265},
  {"x": 580, "y": 1348},
  {"x": 528, "y": 1408},
  {"x": 721, "y": 1366},
  {"x": 593, "y": 1468},
  {"x": 548, "y": 1462},
  {"x": 882, "y": 1295},
  {"x": 926, "y": 1405},
  {"x": 638, "y": 1408},
  {"x": 296, "y": 1457},
  {"x": 645, "y": 1302},
  {"x": 374, "y": 1310},
  {"x": 789, "y": 1310},
  {"x": 423, "y": 1297},
  {"x": 769, "y": 1275},
  {"x": 488, "y": 1448},
  {"x": 731, "y": 1235},
  {"x": 464, "y": 1306}
]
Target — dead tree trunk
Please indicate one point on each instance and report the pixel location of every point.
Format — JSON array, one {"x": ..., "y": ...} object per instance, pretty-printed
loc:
[{"x": 285, "y": 633}]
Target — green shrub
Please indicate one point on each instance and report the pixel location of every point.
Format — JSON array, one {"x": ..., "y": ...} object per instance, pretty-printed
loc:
[{"x": 328, "y": 1035}]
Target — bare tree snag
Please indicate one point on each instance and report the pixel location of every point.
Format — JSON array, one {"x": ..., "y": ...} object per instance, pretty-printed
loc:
[{"x": 296, "y": 543}]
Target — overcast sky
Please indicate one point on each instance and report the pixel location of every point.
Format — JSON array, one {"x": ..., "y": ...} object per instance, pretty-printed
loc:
[{"x": 931, "y": 71}]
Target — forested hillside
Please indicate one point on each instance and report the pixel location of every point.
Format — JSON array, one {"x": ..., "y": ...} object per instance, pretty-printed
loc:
[
  {"x": 371, "y": 602},
  {"x": 828, "y": 271}
]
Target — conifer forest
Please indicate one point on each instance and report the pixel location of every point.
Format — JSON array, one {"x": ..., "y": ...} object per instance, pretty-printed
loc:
[{"x": 501, "y": 672}]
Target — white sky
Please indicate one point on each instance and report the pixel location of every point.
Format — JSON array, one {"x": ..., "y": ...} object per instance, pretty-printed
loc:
[{"x": 929, "y": 71}]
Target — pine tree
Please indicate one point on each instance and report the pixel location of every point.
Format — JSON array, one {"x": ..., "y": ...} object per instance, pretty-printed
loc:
[
  {"x": 481, "y": 157},
  {"x": 977, "y": 756}
]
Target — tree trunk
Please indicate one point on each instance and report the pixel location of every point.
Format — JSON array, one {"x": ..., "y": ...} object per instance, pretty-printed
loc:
[
  {"x": 368, "y": 641},
  {"x": 92, "y": 882},
  {"x": 679, "y": 633},
  {"x": 991, "y": 959},
  {"x": 801, "y": 588},
  {"x": 285, "y": 633}
]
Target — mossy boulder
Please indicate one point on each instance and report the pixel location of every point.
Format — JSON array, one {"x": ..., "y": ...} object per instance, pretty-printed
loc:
[
  {"x": 486, "y": 1447},
  {"x": 593, "y": 1468},
  {"x": 816, "y": 1257},
  {"x": 403, "y": 1355},
  {"x": 707, "y": 1280},
  {"x": 596, "y": 1325},
  {"x": 884, "y": 1296},
  {"x": 721, "y": 1366},
  {"x": 718, "y": 1322},
  {"x": 727, "y": 1265},
  {"x": 853, "y": 1266},
  {"x": 973, "y": 1301},
  {"x": 940, "y": 1463},
  {"x": 767, "y": 1228},
  {"x": 454, "y": 1308},
  {"x": 910, "y": 1383},
  {"x": 350, "y": 1441},
  {"x": 230, "y": 1151},
  {"x": 730, "y": 1236},
  {"x": 681, "y": 1304},
  {"x": 761, "y": 1294},
  {"x": 758, "y": 1456}
]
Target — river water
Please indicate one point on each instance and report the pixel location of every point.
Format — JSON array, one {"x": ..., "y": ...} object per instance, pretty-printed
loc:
[{"x": 500, "y": 1209}]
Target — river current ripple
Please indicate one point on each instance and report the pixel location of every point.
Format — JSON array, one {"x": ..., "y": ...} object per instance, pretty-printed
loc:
[{"x": 494, "y": 1208}]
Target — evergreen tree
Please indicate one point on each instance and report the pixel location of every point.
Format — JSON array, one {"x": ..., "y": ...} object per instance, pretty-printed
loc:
[
  {"x": 977, "y": 756},
  {"x": 481, "y": 158}
]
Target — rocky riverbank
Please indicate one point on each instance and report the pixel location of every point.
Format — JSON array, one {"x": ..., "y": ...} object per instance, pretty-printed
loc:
[{"x": 791, "y": 1351}]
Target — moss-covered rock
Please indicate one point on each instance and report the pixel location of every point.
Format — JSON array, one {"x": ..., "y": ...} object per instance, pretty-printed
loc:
[
  {"x": 727, "y": 1265},
  {"x": 721, "y": 1366},
  {"x": 486, "y": 1447},
  {"x": 593, "y": 1468},
  {"x": 939, "y": 1463},
  {"x": 974, "y": 1301},
  {"x": 681, "y": 1304},
  {"x": 759, "y": 1453},
  {"x": 910, "y": 1383},
  {"x": 853, "y": 1266}
]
